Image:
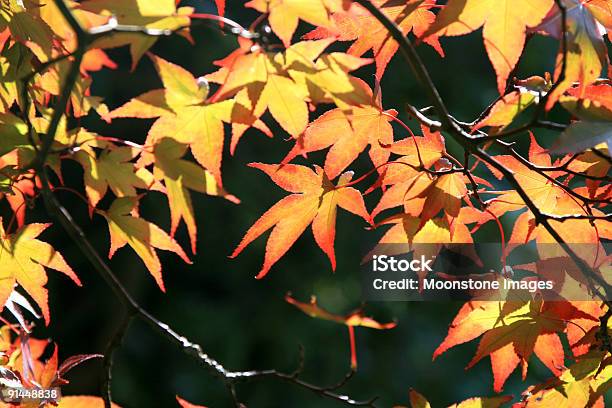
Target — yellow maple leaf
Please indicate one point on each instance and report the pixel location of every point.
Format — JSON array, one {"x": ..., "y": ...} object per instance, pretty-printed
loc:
[{"x": 22, "y": 261}]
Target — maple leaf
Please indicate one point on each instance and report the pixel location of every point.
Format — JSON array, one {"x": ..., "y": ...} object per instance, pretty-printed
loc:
[
  {"x": 181, "y": 89},
  {"x": 586, "y": 54},
  {"x": 198, "y": 124},
  {"x": 112, "y": 169},
  {"x": 29, "y": 29},
  {"x": 284, "y": 15},
  {"x": 244, "y": 66},
  {"x": 347, "y": 134},
  {"x": 179, "y": 176},
  {"x": 504, "y": 23},
  {"x": 593, "y": 102},
  {"x": 354, "y": 318},
  {"x": 358, "y": 24},
  {"x": 161, "y": 14},
  {"x": 583, "y": 384},
  {"x": 446, "y": 192},
  {"x": 351, "y": 320},
  {"x": 538, "y": 188},
  {"x": 314, "y": 200},
  {"x": 511, "y": 332},
  {"x": 419, "y": 401},
  {"x": 141, "y": 235},
  {"x": 23, "y": 258},
  {"x": 419, "y": 193},
  {"x": 592, "y": 165},
  {"x": 548, "y": 197},
  {"x": 401, "y": 180},
  {"x": 284, "y": 83}
]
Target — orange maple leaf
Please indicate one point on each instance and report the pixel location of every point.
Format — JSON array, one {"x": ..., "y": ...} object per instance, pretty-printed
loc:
[
  {"x": 549, "y": 198},
  {"x": 284, "y": 83},
  {"x": 512, "y": 331},
  {"x": 593, "y": 102},
  {"x": 314, "y": 200},
  {"x": 401, "y": 180},
  {"x": 504, "y": 23},
  {"x": 284, "y": 15},
  {"x": 347, "y": 134},
  {"x": 359, "y": 25},
  {"x": 351, "y": 320}
]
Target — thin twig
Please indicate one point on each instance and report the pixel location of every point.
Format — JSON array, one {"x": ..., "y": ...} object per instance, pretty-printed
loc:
[
  {"x": 131, "y": 307},
  {"x": 114, "y": 344},
  {"x": 467, "y": 141}
]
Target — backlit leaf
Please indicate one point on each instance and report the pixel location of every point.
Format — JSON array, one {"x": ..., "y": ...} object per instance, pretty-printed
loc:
[
  {"x": 179, "y": 176},
  {"x": 504, "y": 25},
  {"x": 314, "y": 200},
  {"x": 285, "y": 14},
  {"x": 22, "y": 260},
  {"x": 143, "y": 236},
  {"x": 359, "y": 25},
  {"x": 586, "y": 51}
]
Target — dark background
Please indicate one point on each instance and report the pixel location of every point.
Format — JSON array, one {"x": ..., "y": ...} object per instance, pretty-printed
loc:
[{"x": 243, "y": 322}]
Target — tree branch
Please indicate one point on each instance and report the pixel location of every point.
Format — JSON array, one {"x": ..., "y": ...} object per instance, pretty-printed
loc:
[
  {"x": 113, "y": 345},
  {"x": 414, "y": 61},
  {"x": 131, "y": 307},
  {"x": 467, "y": 141}
]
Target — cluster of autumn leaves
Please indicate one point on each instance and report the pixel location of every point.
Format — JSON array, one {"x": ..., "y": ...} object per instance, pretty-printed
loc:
[{"x": 423, "y": 197}]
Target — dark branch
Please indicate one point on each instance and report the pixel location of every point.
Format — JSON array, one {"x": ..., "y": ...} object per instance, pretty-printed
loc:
[
  {"x": 114, "y": 344},
  {"x": 468, "y": 143},
  {"x": 131, "y": 307}
]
